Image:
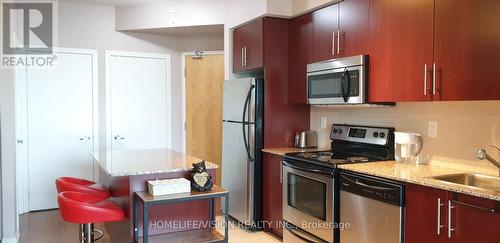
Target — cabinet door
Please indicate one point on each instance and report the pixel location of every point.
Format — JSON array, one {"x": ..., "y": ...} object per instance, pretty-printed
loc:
[
  {"x": 248, "y": 46},
  {"x": 272, "y": 183},
  {"x": 354, "y": 26},
  {"x": 299, "y": 55},
  {"x": 475, "y": 220},
  {"x": 401, "y": 44},
  {"x": 425, "y": 212},
  {"x": 325, "y": 29},
  {"x": 238, "y": 38},
  {"x": 467, "y": 49}
]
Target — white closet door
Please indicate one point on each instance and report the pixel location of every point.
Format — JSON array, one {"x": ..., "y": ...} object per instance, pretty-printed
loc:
[
  {"x": 138, "y": 97},
  {"x": 60, "y": 126}
]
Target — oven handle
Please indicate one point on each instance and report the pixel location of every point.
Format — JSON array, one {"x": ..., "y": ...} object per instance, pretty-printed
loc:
[
  {"x": 293, "y": 230},
  {"x": 307, "y": 170}
]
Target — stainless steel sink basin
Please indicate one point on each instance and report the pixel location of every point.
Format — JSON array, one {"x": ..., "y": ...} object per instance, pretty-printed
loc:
[{"x": 485, "y": 182}]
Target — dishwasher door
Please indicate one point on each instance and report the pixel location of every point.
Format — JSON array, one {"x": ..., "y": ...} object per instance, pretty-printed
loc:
[{"x": 372, "y": 209}]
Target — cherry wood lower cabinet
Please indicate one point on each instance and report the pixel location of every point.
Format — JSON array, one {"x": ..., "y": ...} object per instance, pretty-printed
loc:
[
  {"x": 273, "y": 193},
  {"x": 429, "y": 210}
]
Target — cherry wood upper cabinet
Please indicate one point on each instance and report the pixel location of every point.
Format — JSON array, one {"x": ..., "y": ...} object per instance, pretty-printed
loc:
[
  {"x": 248, "y": 46},
  {"x": 475, "y": 220},
  {"x": 401, "y": 50},
  {"x": 467, "y": 49},
  {"x": 354, "y": 27},
  {"x": 273, "y": 193},
  {"x": 300, "y": 49},
  {"x": 326, "y": 23},
  {"x": 422, "y": 207}
]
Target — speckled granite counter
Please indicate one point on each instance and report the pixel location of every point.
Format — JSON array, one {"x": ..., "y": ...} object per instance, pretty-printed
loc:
[
  {"x": 418, "y": 174},
  {"x": 149, "y": 161},
  {"x": 284, "y": 150}
]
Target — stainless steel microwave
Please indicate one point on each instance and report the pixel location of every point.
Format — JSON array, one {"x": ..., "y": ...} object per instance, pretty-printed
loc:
[{"x": 338, "y": 81}]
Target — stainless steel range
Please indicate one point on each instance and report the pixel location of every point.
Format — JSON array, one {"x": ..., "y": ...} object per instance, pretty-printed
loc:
[{"x": 310, "y": 188}]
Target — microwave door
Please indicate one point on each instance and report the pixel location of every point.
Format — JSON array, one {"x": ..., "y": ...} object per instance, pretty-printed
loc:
[{"x": 325, "y": 88}]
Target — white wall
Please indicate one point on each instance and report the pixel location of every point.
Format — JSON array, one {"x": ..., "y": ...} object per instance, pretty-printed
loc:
[
  {"x": 189, "y": 13},
  {"x": 83, "y": 25}
]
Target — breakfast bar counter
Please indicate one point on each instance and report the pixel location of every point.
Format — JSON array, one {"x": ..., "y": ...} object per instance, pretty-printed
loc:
[{"x": 126, "y": 172}]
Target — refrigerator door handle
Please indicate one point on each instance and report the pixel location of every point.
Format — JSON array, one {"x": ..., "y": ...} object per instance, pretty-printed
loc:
[{"x": 245, "y": 123}]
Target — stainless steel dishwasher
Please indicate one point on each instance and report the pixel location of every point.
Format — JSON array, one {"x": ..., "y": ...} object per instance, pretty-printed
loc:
[{"x": 371, "y": 209}]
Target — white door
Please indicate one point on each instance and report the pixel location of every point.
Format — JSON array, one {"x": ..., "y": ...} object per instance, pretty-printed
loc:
[
  {"x": 138, "y": 104},
  {"x": 59, "y": 125}
]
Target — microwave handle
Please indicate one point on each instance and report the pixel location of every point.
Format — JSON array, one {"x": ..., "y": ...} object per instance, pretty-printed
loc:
[{"x": 346, "y": 82}]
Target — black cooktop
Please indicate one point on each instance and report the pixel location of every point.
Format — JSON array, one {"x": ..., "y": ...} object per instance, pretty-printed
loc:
[{"x": 332, "y": 158}]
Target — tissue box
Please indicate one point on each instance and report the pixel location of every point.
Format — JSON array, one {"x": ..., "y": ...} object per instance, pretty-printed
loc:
[{"x": 169, "y": 186}]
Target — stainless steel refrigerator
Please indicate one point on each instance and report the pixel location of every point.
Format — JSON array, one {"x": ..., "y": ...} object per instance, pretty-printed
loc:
[{"x": 241, "y": 148}]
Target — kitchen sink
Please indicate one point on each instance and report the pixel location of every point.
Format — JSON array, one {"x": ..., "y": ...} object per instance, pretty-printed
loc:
[{"x": 485, "y": 182}]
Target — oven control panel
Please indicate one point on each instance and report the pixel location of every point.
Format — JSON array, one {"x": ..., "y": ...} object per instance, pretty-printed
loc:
[{"x": 361, "y": 134}]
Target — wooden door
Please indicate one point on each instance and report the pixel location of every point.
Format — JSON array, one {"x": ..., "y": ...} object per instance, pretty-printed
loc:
[
  {"x": 401, "y": 44},
  {"x": 59, "y": 125},
  {"x": 467, "y": 49},
  {"x": 475, "y": 220},
  {"x": 204, "y": 84},
  {"x": 325, "y": 30},
  {"x": 248, "y": 46},
  {"x": 300, "y": 48},
  {"x": 139, "y": 101},
  {"x": 354, "y": 26},
  {"x": 421, "y": 221},
  {"x": 273, "y": 193}
]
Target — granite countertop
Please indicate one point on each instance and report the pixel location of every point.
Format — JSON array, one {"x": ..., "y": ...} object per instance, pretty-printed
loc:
[
  {"x": 418, "y": 174},
  {"x": 149, "y": 161},
  {"x": 284, "y": 150}
]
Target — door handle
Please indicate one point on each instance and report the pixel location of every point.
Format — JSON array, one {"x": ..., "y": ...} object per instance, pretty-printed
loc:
[
  {"x": 434, "y": 79},
  {"x": 118, "y": 137},
  {"x": 450, "y": 207},
  {"x": 439, "y": 226},
  {"x": 338, "y": 42},
  {"x": 333, "y": 43},
  {"x": 87, "y": 138},
  {"x": 425, "y": 79}
]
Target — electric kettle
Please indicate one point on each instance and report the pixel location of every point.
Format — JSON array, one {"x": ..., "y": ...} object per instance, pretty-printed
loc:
[{"x": 407, "y": 147}]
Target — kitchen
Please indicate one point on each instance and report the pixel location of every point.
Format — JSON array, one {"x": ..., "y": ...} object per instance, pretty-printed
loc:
[{"x": 398, "y": 97}]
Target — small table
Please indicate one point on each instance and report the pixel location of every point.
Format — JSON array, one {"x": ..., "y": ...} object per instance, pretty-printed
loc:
[{"x": 147, "y": 200}]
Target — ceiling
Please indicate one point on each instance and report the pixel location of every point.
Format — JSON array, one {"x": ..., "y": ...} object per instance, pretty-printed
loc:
[
  {"x": 190, "y": 30},
  {"x": 123, "y": 2}
]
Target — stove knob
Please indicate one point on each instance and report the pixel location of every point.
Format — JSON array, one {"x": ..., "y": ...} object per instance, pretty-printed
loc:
[
  {"x": 375, "y": 134},
  {"x": 340, "y": 130},
  {"x": 382, "y": 135}
]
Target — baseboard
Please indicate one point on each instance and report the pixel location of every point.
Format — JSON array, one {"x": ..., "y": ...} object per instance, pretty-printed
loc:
[{"x": 9, "y": 240}]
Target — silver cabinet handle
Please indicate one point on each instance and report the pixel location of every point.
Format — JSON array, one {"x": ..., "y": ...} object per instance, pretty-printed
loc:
[
  {"x": 450, "y": 229},
  {"x": 85, "y": 138},
  {"x": 118, "y": 137},
  {"x": 439, "y": 225},
  {"x": 333, "y": 43},
  {"x": 338, "y": 41},
  {"x": 246, "y": 60},
  {"x": 242, "y": 57},
  {"x": 281, "y": 172},
  {"x": 434, "y": 79},
  {"x": 425, "y": 79}
]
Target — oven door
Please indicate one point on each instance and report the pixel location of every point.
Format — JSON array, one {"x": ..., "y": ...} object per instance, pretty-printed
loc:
[
  {"x": 308, "y": 198},
  {"x": 336, "y": 86}
]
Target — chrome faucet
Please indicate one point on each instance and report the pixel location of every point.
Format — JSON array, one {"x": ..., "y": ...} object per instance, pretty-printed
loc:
[{"x": 481, "y": 154}]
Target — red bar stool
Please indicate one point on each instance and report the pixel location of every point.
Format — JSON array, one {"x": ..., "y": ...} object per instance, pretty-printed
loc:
[
  {"x": 98, "y": 191},
  {"x": 82, "y": 208}
]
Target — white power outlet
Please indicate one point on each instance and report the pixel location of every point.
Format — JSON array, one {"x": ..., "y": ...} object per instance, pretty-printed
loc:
[
  {"x": 323, "y": 122},
  {"x": 432, "y": 130}
]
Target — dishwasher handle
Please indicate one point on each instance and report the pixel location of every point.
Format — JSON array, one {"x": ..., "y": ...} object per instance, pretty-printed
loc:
[{"x": 374, "y": 188}]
